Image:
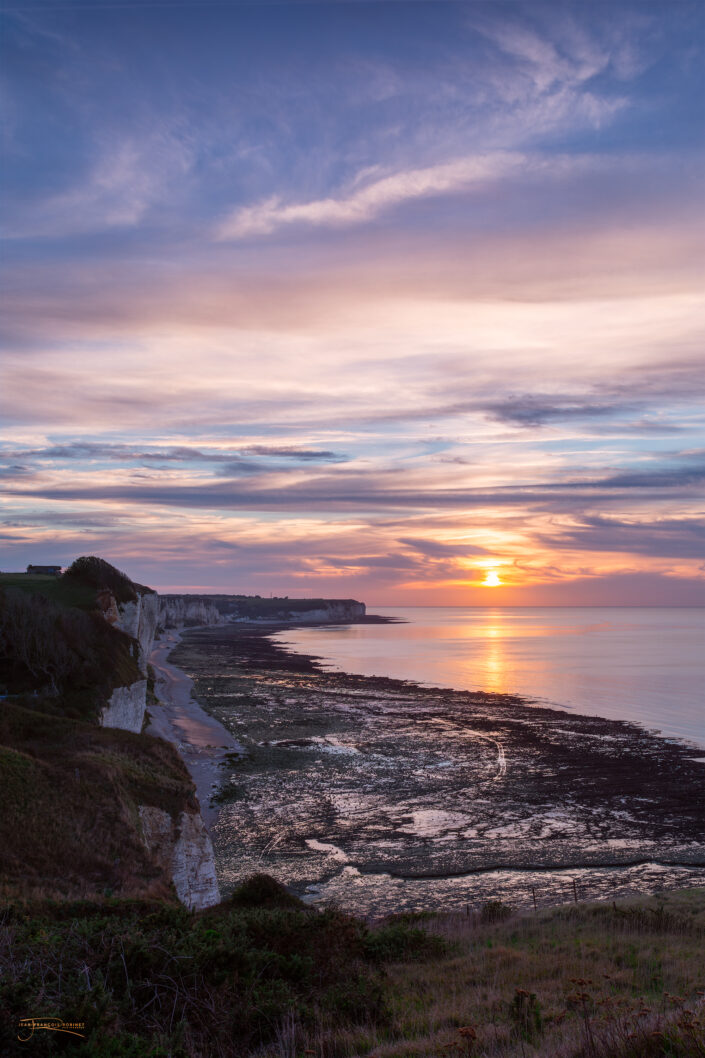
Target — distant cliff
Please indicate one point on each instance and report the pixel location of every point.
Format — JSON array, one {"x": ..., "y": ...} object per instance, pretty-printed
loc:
[
  {"x": 187, "y": 611},
  {"x": 178, "y": 611}
]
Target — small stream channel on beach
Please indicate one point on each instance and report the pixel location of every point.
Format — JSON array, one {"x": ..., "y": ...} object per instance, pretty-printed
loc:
[{"x": 385, "y": 796}]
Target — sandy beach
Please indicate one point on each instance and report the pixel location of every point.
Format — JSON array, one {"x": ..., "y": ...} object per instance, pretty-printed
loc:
[{"x": 202, "y": 740}]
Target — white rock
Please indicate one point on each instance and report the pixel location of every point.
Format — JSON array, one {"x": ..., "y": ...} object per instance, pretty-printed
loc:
[
  {"x": 126, "y": 707},
  {"x": 183, "y": 848}
]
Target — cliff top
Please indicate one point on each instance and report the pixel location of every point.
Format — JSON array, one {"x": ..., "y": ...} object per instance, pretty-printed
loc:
[{"x": 96, "y": 573}]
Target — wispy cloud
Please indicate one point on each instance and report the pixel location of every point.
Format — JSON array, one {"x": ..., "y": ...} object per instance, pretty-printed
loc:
[
  {"x": 123, "y": 453},
  {"x": 361, "y": 205},
  {"x": 353, "y": 298},
  {"x": 677, "y": 537}
]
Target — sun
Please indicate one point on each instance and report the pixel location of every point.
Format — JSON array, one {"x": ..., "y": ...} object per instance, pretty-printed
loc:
[{"x": 491, "y": 580}]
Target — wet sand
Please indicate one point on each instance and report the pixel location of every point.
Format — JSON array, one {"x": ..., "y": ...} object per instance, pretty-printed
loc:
[
  {"x": 384, "y": 795},
  {"x": 202, "y": 740}
]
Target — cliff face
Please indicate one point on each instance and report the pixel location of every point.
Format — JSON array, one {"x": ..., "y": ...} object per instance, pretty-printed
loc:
[
  {"x": 179, "y": 611},
  {"x": 87, "y": 809},
  {"x": 182, "y": 847},
  {"x": 63, "y": 782},
  {"x": 137, "y": 619},
  {"x": 126, "y": 707},
  {"x": 331, "y": 613},
  {"x": 187, "y": 611},
  {"x": 176, "y": 842}
]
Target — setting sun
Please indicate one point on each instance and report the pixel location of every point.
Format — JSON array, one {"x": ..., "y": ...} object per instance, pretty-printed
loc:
[{"x": 491, "y": 580}]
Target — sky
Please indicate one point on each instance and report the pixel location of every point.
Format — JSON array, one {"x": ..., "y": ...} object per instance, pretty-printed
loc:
[{"x": 381, "y": 300}]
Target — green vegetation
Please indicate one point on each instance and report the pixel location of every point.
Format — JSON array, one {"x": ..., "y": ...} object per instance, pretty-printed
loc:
[
  {"x": 261, "y": 975},
  {"x": 149, "y": 979},
  {"x": 96, "y": 573},
  {"x": 70, "y": 792},
  {"x": 253, "y": 606},
  {"x": 591, "y": 981},
  {"x": 91, "y": 930},
  {"x": 63, "y": 591},
  {"x": 257, "y": 608},
  {"x": 64, "y": 660},
  {"x": 56, "y": 649}
]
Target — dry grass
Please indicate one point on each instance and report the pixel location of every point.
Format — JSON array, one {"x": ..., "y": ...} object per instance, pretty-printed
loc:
[
  {"x": 594, "y": 981},
  {"x": 261, "y": 977}
]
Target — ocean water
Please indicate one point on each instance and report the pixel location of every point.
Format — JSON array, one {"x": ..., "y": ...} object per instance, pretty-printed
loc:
[{"x": 646, "y": 665}]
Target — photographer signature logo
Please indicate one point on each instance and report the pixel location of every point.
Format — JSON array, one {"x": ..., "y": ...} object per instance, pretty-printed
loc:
[{"x": 28, "y": 1026}]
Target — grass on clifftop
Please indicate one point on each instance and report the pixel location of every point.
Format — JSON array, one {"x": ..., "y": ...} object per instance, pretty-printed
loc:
[
  {"x": 63, "y": 591},
  {"x": 55, "y": 647},
  {"x": 69, "y": 792},
  {"x": 262, "y": 977},
  {"x": 97, "y": 574}
]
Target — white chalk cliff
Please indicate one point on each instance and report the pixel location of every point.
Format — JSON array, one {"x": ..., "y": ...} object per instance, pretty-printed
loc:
[
  {"x": 179, "y": 844},
  {"x": 184, "y": 611},
  {"x": 182, "y": 847},
  {"x": 127, "y": 705}
]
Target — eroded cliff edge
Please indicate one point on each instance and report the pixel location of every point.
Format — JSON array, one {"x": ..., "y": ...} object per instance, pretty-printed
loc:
[
  {"x": 92, "y": 806},
  {"x": 137, "y": 618}
]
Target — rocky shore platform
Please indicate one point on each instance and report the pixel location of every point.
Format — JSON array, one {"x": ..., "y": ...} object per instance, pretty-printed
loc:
[{"x": 385, "y": 795}]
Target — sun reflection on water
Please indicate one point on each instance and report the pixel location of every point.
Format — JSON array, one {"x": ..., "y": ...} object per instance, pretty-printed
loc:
[{"x": 494, "y": 659}]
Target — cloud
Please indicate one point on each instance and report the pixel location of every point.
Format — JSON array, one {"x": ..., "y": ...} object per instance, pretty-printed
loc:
[
  {"x": 294, "y": 452},
  {"x": 373, "y": 491},
  {"x": 364, "y": 204},
  {"x": 537, "y": 410},
  {"x": 662, "y": 478},
  {"x": 122, "y": 453},
  {"x": 667, "y": 538},
  {"x": 125, "y": 180},
  {"x": 436, "y": 549},
  {"x": 14, "y": 471},
  {"x": 79, "y": 519}
]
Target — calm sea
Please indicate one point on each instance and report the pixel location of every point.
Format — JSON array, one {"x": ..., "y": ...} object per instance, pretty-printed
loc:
[{"x": 644, "y": 665}]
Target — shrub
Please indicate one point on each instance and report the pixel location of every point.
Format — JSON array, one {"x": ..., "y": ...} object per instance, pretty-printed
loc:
[
  {"x": 495, "y": 911},
  {"x": 261, "y": 890},
  {"x": 99, "y": 574},
  {"x": 61, "y": 653},
  {"x": 400, "y": 942},
  {"x": 525, "y": 1013},
  {"x": 145, "y": 977}
]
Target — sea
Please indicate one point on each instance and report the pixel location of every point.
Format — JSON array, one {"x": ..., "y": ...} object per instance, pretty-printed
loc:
[
  {"x": 645, "y": 665},
  {"x": 385, "y": 797}
]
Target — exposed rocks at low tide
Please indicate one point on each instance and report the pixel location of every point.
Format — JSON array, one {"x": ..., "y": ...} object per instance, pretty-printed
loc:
[{"x": 359, "y": 788}]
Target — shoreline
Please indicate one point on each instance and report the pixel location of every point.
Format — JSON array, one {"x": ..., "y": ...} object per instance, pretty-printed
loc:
[
  {"x": 202, "y": 742},
  {"x": 568, "y": 794}
]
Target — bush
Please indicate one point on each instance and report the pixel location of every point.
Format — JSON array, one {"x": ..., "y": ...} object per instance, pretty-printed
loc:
[
  {"x": 525, "y": 1013},
  {"x": 400, "y": 942},
  {"x": 495, "y": 911},
  {"x": 146, "y": 976},
  {"x": 261, "y": 890},
  {"x": 99, "y": 574},
  {"x": 61, "y": 653}
]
